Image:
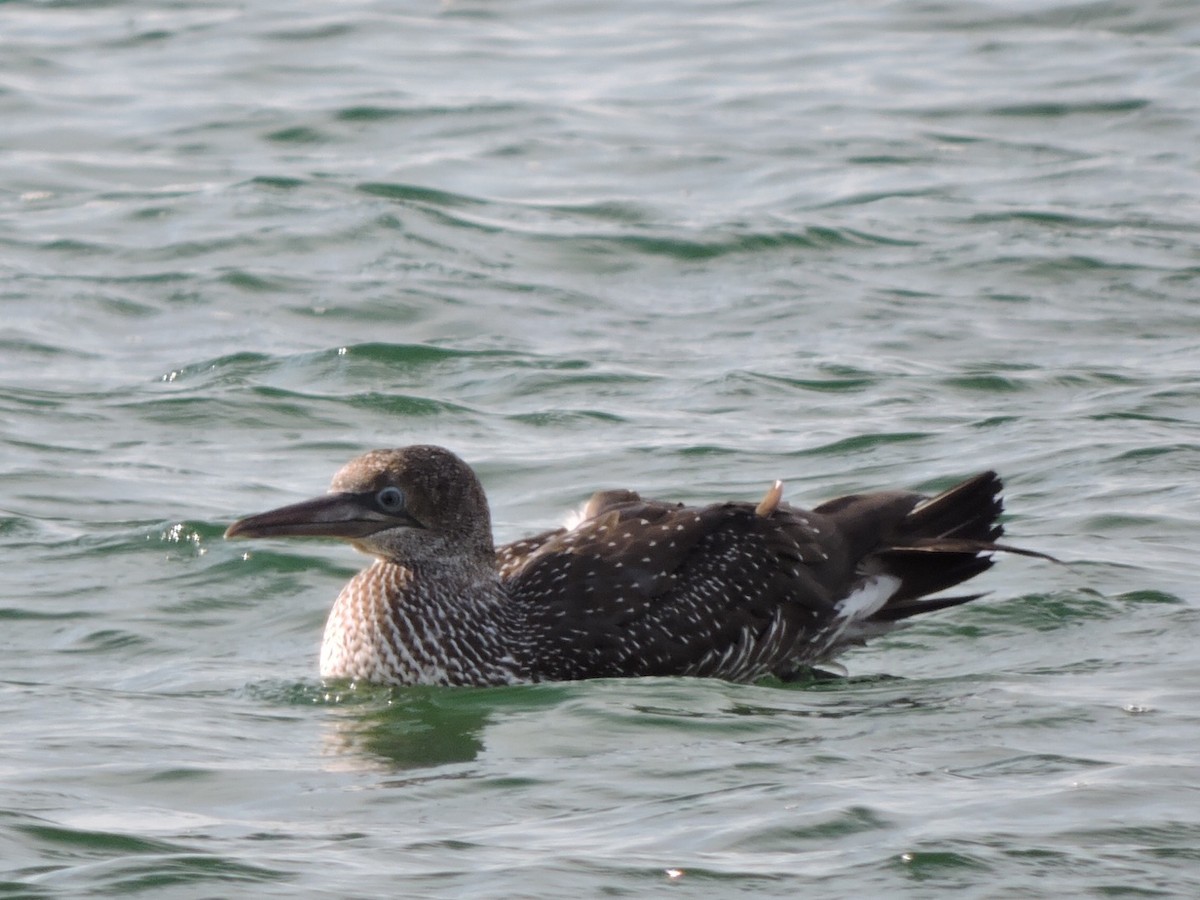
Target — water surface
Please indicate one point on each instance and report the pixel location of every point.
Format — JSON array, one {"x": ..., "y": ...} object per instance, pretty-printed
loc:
[{"x": 685, "y": 248}]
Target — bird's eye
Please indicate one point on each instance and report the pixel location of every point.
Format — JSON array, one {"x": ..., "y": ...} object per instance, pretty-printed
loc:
[{"x": 390, "y": 499}]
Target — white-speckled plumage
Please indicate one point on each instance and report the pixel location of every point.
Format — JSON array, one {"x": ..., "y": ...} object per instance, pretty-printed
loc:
[{"x": 732, "y": 590}]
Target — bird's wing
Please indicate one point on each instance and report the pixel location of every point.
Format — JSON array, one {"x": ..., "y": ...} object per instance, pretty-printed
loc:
[{"x": 645, "y": 588}]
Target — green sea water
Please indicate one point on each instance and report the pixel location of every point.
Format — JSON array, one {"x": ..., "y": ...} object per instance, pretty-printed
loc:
[{"x": 686, "y": 248}]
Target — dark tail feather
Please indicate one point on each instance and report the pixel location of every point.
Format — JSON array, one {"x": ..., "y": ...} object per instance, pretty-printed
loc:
[
  {"x": 925, "y": 572},
  {"x": 894, "y": 611},
  {"x": 967, "y": 511},
  {"x": 945, "y": 541}
]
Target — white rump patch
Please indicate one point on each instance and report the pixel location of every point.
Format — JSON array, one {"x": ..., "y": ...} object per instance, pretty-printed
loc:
[
  {"x": 868, "y": 598},
  {"x": 851, "y": 625}
]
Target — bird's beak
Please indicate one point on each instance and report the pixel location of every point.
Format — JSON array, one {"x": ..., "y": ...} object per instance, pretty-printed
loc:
[{"x": 341, "y": 515}]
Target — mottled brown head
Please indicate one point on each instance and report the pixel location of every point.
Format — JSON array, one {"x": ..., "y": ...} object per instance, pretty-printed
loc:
[{"x": 416, "y": 505}]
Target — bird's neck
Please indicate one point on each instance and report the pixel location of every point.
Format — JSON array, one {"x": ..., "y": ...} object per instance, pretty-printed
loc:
[{"x": 436, "y": 623}]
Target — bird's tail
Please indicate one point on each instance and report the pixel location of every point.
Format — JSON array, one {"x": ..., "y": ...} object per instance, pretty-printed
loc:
[
  {"x": 929, "y": 544},
  {"x": 942, "y": 542}
]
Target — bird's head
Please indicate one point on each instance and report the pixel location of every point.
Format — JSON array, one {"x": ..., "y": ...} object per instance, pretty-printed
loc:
[{"x": 412, "y": 506}]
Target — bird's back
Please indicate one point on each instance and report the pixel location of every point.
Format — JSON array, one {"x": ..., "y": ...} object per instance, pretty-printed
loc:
[{"x": 733, "y": 591}]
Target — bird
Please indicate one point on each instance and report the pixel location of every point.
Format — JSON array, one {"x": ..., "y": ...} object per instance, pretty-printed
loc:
[{"x": 738, "y": 591}]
